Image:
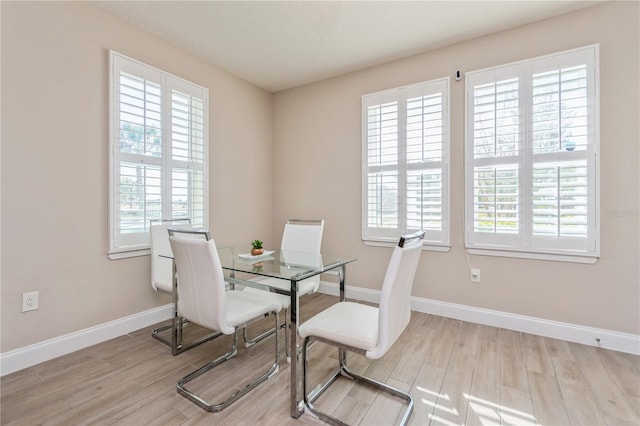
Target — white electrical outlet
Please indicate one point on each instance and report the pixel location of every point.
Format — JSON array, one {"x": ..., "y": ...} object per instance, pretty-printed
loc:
[
  {"x": 475, "y": 275},
  {"x": 29, "y": 301}
]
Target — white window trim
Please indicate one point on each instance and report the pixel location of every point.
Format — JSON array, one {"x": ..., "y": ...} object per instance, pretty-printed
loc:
[
  {"x": 140, "y": 246},
  {"x": 400, "y": 94},
  {"x": 563, "y": 255}
]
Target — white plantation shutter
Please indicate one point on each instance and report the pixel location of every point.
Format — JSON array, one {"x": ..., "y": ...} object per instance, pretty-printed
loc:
[
  {"x": 495, "y": 196},
  {"x": 425, "y": 151},
  {"x": 496, "y": 119},
  {"x": 563, "y": 146},
  {"x": 188, "y": 197},
  {"x": 158, "y": 152},
  {"x": 382, "y": 148},
  {"x": 139, "y": 133},
  {"x": 405, "y": 163},
  {"x": 531, "y": 156},
  {"x": 560, "y": 199},
  {"x": 496, "y": 143}
]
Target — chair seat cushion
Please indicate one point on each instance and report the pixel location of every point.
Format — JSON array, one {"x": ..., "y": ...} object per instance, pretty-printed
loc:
[
  {"x": 347, "y": 323},
  {"x": 243, "y": 307},
  {"x": 283, "y": 300},
  {"x": 310, "y": 285}
]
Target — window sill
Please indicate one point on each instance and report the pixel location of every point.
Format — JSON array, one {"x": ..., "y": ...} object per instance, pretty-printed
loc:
[
  {"x": 554, "y": 257},
  {"x": 425, "y": 247},
  {"x": 115, "y": 255}
]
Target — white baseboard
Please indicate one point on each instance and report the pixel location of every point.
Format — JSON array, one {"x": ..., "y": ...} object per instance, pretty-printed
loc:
[
  {"x": 27, "y": 356},
  {"x": 622, "y": 342},
  {"x": 21, "y": 358}
]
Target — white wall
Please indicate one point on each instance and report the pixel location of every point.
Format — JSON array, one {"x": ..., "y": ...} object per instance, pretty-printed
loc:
[
  {"x": 317, "y": 169},
  {"x": 55, "y": 175},
  {"x": 293, "y": 154}
]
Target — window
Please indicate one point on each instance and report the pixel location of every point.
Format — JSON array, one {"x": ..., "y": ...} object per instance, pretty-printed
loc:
[
  {"x": 158, "y": 152},
  {"x": 405, "y": 152},
  {"x": 531, "y": 158}
]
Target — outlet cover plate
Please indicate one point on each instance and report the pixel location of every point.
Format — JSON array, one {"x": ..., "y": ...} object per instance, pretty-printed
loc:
[{"x": 29, "y": 301}]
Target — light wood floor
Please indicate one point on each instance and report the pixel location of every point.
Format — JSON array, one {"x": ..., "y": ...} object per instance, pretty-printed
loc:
[{"x": 458, "y": 373}]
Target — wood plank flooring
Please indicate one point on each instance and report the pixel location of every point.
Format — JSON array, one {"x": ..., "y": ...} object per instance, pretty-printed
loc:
[{"x": 458, "y": 372}]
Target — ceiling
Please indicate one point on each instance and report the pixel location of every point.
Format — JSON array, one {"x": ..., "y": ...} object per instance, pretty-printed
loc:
[{"x": 278, "y": 45}]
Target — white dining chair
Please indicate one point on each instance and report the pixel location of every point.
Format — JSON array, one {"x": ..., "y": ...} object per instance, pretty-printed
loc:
[
  {"x": 204, "y": 300},
  {"x": 366, "y": 330},
  {"x": 162, "y": 281},
  {"x": 161, "y": 263},
  {"x": 301, "y": 242},
  {"x": 303, "y": 236}
]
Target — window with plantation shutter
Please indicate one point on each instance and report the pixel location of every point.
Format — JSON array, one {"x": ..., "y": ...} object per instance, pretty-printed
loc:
[
  {"x": 158, "y": 156},
  {"x": 405, "y": 163},
  {"x": 532, "y": 158}
]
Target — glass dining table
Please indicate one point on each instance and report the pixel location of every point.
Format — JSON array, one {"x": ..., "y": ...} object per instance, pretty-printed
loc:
[{"x": 291, "y": 267}]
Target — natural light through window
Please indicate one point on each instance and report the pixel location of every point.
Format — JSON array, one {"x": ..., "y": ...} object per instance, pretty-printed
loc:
[
  {"x": 159, "y": 152},
  {"x": 532, "y": 158},
  {"x": 441, "y": 410},
  {"x": 405, "y": 163},
  {"x": 492, "y": 413}
]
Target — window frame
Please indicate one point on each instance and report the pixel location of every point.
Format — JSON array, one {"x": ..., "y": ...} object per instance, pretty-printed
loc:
[
  {"x": 387, "y": 237},
  {"x": 525, "y": 243},
  {"x": 124, "y": 245}
]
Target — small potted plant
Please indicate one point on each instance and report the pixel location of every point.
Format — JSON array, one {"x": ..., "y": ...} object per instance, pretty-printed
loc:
[{"x": 256, "y": 248}]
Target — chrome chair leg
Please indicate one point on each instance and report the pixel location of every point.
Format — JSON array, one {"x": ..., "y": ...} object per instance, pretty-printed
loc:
[
  {"x": 178, "y": 346},
  {"x": 177, "y": 323},
  {"x": 218, "y": 406},
  {"x": 343, "y": 371},
  {"x": 249, "y": 342}
]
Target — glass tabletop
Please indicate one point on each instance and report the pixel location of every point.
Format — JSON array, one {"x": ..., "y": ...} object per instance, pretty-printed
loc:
[{"x": 283, "y": 264}]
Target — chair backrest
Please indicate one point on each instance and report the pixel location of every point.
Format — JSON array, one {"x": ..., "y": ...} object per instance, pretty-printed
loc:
[
  {"x": 303, "y": 236},
  {"x": 161, "y": 272},
  {"x": 294, "y": 262},
  {"x": 395, "y": 298},
  {"x": 201, "y": 289}
]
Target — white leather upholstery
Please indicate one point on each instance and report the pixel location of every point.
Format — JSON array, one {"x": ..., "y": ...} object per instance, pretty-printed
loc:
[
  {"x": 282, "y": 299},
  {"x": 202, "y": 296},
  {"x": 302, "y": 237},
  {"x": 203, "y": 299},
  {"x": 395, "y": 297},
  {"x": 162, "y": 267},
  {"x": 301, "y": 245},
  {"x": 295, "y": 262},
  {"x": 297, "y": 241},
  {"x": 371, "y": 329},
  {"x": 347, "y": 323},
  {"x": 307, "y": 286},
  {"x": 243, "y": 307},
  {"x": 366, "y": 329}
]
